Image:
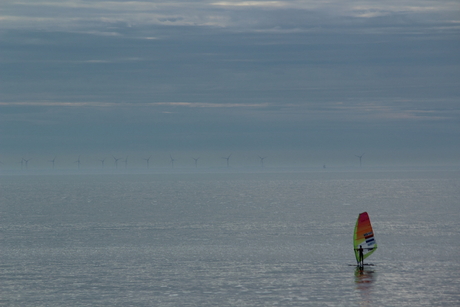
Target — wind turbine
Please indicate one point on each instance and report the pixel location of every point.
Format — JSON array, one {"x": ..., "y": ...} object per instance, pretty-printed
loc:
[
  {"x": 172, "y": 161},
  {"x": 196, "y": 161},
  {"x": 360, "y": 157},
  {"x": 227, "y": 158},
  {"x": 116, "y": 161},
  {"x": 102, "y": 162},
  {"x": 148, "y": 161},
  {"x": 78, "y": 162},
  {"x": 126, "y": 162},
  {"x": 261, "y": 160},
  {"x": 26, "y": 162},
  {"x": 52, "y": 161}
]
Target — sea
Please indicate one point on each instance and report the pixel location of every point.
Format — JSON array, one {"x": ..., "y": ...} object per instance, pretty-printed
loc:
[{"x": 229, "y": 238}]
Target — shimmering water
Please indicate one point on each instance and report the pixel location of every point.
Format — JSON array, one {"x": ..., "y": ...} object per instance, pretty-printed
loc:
[{"x": 228, "y": 239}]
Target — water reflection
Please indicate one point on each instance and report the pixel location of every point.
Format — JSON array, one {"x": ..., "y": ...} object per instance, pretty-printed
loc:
[{"x": 364, "y": 279}]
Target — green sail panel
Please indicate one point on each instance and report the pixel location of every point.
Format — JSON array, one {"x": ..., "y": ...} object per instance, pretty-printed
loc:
[{"x": 364, "y": 236}]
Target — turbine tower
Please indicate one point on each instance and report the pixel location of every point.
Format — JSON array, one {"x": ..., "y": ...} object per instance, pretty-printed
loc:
[
  {"x": 102, "y": 162},
  {"x": 360, "y": 158},
  {"x": 52, "y": 161},
  {"x": 261, "y": 160},
  {"x": 26, "y": 162},
  {"x": 172, "y": 161},
  {"x": 227, "y": 158},
  {"x": 126, "y": 162},
  {"x": 148, "y": 161},
  {"x": 78, "y": 162},
  {"x": 116, "y": 161},
  {"x": 196, "y": 161}
]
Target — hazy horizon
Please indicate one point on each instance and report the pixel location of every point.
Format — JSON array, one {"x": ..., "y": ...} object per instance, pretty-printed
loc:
[{"x": 184, "y": 162}]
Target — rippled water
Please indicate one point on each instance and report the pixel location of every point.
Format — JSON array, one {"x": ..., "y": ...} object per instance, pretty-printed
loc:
[{"x": 228, "y": 239}]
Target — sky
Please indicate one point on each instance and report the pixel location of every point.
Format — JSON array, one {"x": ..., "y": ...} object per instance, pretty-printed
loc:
[{"x": 303, "y": 83}]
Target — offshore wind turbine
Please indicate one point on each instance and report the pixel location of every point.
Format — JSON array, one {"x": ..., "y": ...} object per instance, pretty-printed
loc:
[
  {"x": 261, "y": 160},
  {"x": 360, "y": 158},
  {"x": 78, "y": 162},
  {"x": 148, "y": 161},
  {"x": 126, "y": 162},
  {"x": 227, "y": 158},
  {"x": 171, "y": 161},
  {"x": 52, "y": 161},
  {"x": 196, "y": 161},
  {"x": 116, "y": 161},
  {"x": 102, "y": 162},
  {"x": 26, "y": 162}
]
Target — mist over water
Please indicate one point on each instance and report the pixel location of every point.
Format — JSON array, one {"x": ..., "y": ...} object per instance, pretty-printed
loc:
[{"x": 228, "y": 239}]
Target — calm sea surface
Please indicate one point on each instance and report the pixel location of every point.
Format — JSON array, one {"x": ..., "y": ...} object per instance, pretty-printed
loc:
[{"x": 229, "y": 239}]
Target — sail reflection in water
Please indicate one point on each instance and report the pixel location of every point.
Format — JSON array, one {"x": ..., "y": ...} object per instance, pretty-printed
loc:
[{"x": 364, "y": 280}]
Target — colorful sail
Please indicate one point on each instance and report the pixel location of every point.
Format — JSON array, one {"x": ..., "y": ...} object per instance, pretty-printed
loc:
[{"x": 364, "y": 236}]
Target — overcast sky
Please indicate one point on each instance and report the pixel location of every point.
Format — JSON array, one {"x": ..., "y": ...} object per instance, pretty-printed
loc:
[{"x": 301, "y": 82}]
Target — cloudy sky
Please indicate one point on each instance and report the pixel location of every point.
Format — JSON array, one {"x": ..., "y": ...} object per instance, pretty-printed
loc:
[{"x": 301, "y": 82}]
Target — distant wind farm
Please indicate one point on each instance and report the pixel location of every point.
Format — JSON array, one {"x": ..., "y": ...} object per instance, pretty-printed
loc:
[{"x": 157, "y": 161}]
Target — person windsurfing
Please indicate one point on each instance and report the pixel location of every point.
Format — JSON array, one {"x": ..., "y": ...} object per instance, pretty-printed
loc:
[
  {"x": 363, "y": 238},
  {"x": 360, "y": 256}
]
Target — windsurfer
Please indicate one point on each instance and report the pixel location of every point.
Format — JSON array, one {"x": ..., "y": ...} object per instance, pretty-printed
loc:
[
  {"x": 363, "y": 239},
  {"x": 361, "y": 255}
]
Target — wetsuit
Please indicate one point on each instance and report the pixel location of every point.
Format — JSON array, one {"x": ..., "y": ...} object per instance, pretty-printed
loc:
[{"x": 361, "y": 255}]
